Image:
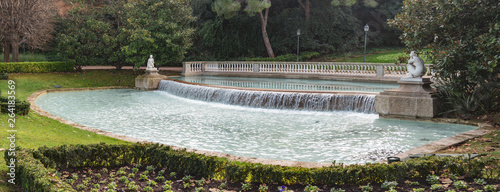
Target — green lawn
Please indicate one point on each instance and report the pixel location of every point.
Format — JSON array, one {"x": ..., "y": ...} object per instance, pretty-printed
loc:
[
  {"x": 34, "y": 130},
  {"x": 28, "y": 57},
  {"x": 390, "y": 56},
  {"x": 26, "y": 84}
]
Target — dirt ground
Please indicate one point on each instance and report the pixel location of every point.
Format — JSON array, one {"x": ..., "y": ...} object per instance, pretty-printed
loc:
[{"x": 105, "y": 175}]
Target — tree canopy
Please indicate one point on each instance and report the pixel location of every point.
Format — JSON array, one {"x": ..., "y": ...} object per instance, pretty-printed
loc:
[
  {"x": 465, "y": 43},
  {"x": 229, "y": 8},
  {"x": 127, "y": 32}
]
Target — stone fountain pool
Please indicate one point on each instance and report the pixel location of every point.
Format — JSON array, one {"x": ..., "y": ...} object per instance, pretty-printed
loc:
[{"x": 283, "y": 134}]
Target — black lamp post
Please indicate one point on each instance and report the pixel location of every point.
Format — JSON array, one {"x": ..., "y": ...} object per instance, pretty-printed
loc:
[
  {"x": 366, "y": 28},
  {"x": 298, "y": 41}
]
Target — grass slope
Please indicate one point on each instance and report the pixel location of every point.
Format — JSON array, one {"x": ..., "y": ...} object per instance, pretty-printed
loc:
[
  {"x": 34, "y": 130},
  {"x": 390, "y": 56},
  {"x": 29, "y": 57}
]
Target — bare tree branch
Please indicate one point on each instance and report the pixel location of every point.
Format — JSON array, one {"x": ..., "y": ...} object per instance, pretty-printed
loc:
[{"x": 26, "y": 21}]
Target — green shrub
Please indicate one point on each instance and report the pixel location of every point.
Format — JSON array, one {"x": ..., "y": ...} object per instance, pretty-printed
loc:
[
  {"x": 310, "y": 188},
  {"x": 491, "y": 188},
  {"x": 21, "y": 107},
  {"x": 32, "y": 175},
  {"x": 246, "y": 186},
  {"x": 336, "y": 190},
  {"x": 35, "y": 67},
  {"x": 460, "y": 185},
  {"x": 389, "y": 184},
  {"x": 367, "y": 187},
  {"x": 4, "y": 76},
  {"x": 436, "y": 187},
  {"x": 464, "y": 48},
  {"x": 263, "y": 188},
  {"x": 35, "y": 162},
  {"x": 432, "y": 179},
  {"x": 160, "y": 178},
  {"x": 480, "y": 181}
]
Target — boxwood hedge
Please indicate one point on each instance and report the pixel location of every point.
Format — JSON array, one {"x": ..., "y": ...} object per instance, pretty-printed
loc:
[
  {"x": 21, "y": 107},
  {"x": 34, "y": 166},
  {"x": 35, "y": 67}
]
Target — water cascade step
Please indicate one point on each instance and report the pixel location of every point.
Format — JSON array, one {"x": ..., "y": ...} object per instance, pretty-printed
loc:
[{"x": 362, "y": 103}]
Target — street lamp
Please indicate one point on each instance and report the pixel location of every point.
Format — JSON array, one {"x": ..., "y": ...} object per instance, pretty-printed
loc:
[
  {"x": 298, "y": 38},
  {"x": 366, "y": 31}
]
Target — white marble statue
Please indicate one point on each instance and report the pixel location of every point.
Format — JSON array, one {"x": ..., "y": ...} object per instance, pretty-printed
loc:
[
  {"x": 416, "y": 67},
  {"x": 151, "y": 63}
]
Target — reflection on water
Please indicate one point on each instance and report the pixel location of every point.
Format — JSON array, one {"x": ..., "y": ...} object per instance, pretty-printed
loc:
[{"x": 290, "y": 84}]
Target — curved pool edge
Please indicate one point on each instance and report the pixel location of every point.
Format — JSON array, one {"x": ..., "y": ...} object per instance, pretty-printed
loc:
[
  {"x": 32, "y": 98},
  {"x": 433, "y": 147},
  {"x": 427, "y": 149}
]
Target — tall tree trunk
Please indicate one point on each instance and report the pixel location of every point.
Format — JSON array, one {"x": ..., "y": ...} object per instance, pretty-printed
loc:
[
  {"x": 6, "y": 52},
  {"x": 15, "y": 47},
  {"x": 263, "y": 20},
  {"x": 15, "y": 52},
  {"x": 306, "y": 8}
]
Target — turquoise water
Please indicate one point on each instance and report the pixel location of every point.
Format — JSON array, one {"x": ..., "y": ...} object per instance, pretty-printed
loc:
[
  {"x": 290, "y": 84},
  {"x": 307, "y": 136}
]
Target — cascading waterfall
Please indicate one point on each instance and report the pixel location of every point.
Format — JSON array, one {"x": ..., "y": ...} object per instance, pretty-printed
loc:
[{"x": 274, "y": 100}]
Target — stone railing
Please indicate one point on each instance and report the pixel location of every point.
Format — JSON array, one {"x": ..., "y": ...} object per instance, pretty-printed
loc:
[{"x": 257, "y": 69}]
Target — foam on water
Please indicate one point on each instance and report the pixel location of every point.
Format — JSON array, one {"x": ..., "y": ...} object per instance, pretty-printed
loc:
[{"x": 273, "y": 100}]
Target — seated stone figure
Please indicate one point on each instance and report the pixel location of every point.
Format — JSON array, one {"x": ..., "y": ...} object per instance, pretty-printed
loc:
[
  {"x": 416, "y": 67},
  {"x": 151, "y": 63}
]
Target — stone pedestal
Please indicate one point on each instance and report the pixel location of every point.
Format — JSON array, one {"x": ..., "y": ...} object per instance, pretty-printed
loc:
[
  {"x": 149, "y": 81},
  {"x": 413, "y": 99}
]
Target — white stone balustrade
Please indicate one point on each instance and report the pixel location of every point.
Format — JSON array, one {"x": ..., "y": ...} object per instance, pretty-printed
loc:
[{"x": 259, "y": 68}]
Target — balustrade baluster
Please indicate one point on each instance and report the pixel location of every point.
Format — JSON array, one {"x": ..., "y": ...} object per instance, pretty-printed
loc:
[{"x": 389, "y": 70}]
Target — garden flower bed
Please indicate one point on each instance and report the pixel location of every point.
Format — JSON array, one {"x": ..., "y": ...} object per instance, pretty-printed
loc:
[
  {"x": 137, "y": 177},
  {"x": 154, "y": 167}
]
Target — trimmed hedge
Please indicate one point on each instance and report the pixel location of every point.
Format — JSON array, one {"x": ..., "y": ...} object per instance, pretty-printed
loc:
[
  {"x": 34, "y": 167},
  {"x": 32, "y": 175},
  {"x": 117, "y": 155},
  {"x": 4, "y": 76},
  {"x": 21, "y": 107},
  {"x": 304, "y": 56},
  {"x": 35, "y": 67}
]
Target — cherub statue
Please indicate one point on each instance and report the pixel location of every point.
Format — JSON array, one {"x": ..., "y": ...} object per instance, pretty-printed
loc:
[{"x": 416, "y": 67}]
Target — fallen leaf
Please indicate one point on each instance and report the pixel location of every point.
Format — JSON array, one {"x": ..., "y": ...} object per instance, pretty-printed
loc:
[{"x": 446, "y": 180}]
